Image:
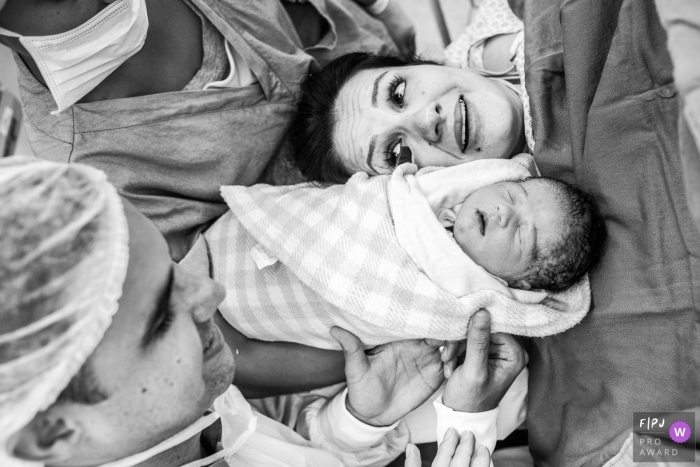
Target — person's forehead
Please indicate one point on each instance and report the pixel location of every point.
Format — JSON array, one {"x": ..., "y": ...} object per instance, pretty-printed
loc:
[
  {"x": 353, "y": 116},
  {"x": 548, "y": 209}
]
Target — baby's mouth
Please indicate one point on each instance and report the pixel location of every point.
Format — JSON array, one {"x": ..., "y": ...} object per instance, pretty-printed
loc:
[{"x": 481, "y": 222}]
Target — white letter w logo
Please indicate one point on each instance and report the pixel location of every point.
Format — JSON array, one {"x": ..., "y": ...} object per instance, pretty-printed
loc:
[{"x": 679, "y": 432}]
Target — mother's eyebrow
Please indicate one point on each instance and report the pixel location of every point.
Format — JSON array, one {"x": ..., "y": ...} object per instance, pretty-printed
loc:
[
  {"x": 375, "y": 89},
  {"x": 370, "y": 153},
  {"x": 160, "y": 310}
]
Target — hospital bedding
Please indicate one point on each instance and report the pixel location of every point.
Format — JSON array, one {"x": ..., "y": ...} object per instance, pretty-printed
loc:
[{"x": 605, "y": 114}]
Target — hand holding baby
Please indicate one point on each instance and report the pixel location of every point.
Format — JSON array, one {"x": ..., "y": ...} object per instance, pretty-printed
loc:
[
  {"x": 391, "y": 380},
  {"x": 492, "y": 363}
]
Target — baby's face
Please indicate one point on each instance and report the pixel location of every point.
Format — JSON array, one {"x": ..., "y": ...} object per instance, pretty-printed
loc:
[{"x": 502, "y": 227}]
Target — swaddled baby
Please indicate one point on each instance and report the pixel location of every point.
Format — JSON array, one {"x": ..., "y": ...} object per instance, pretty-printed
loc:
[
  {"x": 373, "y": 256},
  {"x": 535, "y": 233},
  {"x": 525, "y": 232}
]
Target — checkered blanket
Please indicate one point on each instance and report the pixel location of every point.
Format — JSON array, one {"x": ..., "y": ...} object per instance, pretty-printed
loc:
[{"x": 297, "y": 260}]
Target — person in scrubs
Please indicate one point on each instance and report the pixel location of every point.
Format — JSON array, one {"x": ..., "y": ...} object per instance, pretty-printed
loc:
[{"x": 174, "y": 98}]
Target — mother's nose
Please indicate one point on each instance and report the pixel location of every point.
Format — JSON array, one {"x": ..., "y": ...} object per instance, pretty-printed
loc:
[{"x": 427, "y": 122}]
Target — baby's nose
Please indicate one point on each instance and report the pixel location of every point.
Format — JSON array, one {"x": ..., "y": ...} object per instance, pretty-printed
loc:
[{"x": 503, "y": 215}]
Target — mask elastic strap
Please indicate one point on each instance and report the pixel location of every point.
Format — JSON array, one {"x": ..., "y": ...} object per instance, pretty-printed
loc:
[
  {"x": 171, "y": 442},
  {"x": 5, "y": 32}
]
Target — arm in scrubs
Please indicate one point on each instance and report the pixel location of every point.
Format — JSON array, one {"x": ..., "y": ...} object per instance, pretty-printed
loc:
[{"x": 133, "y": 101}]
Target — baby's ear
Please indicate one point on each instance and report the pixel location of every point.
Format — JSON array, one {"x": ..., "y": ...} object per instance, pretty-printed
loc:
[
  {"x": 447, "y": 217},
  {"x": 523, "y": 284}
]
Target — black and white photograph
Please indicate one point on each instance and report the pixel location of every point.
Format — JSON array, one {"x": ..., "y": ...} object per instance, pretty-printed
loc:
[{"x": 349, "y": 233}]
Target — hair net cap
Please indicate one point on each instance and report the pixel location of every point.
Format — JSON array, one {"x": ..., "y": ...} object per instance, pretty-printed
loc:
[{"x": 63, "y": 260}]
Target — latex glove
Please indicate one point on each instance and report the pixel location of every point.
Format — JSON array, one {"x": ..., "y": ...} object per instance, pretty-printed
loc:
[
  {"x": 391, "y": 380},
  {"x": 453, "y": 452},
  {"x": 491, "y": 364},
  {"x": 400, "y": 27}
]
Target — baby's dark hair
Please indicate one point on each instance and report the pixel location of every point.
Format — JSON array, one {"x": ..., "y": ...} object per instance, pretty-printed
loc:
[{"x": 578, "y": 248}]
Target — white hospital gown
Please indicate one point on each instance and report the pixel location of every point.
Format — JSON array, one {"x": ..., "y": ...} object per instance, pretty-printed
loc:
[
  {"x": 493, "y": 18},
  {"x": 313, "y": 431}
]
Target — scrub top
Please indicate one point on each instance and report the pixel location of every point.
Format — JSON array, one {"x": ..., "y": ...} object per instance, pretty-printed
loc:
[{"x": 169, "y": 153}]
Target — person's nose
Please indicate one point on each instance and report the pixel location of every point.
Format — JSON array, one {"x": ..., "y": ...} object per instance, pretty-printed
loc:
[
  {"x": 206, "y": 295},
  {"x": 503, "y": 215},
  {"x": 428, "y": 122}
]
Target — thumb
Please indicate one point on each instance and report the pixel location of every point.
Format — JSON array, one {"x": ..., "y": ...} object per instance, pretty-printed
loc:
[
  {"x": 356, "y": 363},
  {"x": 412, "y": 456}
]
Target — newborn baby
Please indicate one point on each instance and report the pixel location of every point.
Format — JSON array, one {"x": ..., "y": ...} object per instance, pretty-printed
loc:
[
  {"x": 535, "y": 233},
  {"x": 373, "y": 256}
]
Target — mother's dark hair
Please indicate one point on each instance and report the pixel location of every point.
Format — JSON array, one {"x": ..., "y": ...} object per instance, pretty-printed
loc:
[{"x": 313, "y": 128}]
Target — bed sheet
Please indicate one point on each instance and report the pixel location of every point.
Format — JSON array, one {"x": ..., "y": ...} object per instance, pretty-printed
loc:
[{"x": 605, "y": 114}]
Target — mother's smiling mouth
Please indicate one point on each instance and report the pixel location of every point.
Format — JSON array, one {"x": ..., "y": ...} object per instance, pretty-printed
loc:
[{"x": 461, "y": 124}]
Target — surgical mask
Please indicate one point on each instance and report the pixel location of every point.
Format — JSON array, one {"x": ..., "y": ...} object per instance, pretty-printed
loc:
[
  {"x": 238, "y": 423},
  {"x": 75, "y": 62}
]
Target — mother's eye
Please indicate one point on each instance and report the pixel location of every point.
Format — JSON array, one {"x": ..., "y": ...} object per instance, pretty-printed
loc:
[
  {"x": 397, "y": 90},
  {"x": 398, "y": 154}
]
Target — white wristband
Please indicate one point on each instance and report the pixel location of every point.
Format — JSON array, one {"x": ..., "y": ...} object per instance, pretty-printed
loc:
[{"x": 378, "y": 7}]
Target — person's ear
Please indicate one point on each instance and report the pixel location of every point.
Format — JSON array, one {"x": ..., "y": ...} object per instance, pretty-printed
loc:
[
  {"x": 447, "y": 216},
  {"x": 48, "y": 439},
  {"x": 523, "y": 284}
]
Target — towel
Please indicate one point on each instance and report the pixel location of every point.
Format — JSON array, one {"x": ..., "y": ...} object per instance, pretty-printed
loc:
[{"x": 299, "y": 259}]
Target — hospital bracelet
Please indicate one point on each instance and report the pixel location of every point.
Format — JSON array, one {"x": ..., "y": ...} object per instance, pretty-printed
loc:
[{"x": 378, "y": 7}]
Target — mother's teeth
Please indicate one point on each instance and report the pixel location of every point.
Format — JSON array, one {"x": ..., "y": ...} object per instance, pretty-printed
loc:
[{"x": 463, "y": 106}]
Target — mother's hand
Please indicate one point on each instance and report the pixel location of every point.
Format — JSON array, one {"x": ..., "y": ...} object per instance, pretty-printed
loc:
[
  {"x": 390, "y": 380},
  {"x": 453, "y": 452}
]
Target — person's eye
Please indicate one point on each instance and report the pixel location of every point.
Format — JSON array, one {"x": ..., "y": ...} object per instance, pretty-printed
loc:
[
  {"x": 398, "y": 154},
  {"x": 397, "y": 90},
  {"x": 510, "y": 196},
  {"x": 164, "y": 325}
]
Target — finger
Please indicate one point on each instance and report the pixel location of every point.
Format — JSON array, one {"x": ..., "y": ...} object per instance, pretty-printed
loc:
[
  {"x": 478, "y": 338},
  {"x": 508, "y": 348},
  {"x": 412, "y": 456},
  {"x": 450, "y": 351},
  {"x": 356, "y": 363},
  {"x": 465, "y": 450},
  {"x": 449, "y": 357},
  {"x": 482, "y": 458},
  {"x": 435, "y": 343},
  {"x": 446, "y": 449}
]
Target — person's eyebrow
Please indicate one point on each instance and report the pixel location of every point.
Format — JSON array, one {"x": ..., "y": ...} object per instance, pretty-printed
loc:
[
  {"x": 161, "y": 309},
  {"x": 535, "y": 249},
  {"x": 370, "y": 153},
  {"x": 375, "y": 89}
]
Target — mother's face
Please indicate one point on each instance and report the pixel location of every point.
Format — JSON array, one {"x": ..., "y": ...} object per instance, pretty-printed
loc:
[{"x": 445, "y": 115}]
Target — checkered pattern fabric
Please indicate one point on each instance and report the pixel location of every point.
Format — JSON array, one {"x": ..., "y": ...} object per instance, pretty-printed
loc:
[{"x": 339, "y": 264}]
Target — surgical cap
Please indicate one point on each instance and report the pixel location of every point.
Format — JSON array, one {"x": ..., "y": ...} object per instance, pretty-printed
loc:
[{"x": 63, "y": 259}]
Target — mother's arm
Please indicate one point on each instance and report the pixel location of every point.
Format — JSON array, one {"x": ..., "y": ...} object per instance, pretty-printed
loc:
[{"x": 272, "y": 368}]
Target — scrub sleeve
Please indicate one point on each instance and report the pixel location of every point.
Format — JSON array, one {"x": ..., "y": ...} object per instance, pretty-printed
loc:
[{"x": 169, "y": 153}]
